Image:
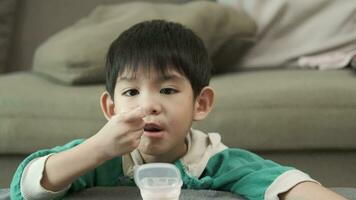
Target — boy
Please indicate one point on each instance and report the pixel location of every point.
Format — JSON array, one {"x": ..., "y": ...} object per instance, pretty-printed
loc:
[{"x": 157, "y": 84}]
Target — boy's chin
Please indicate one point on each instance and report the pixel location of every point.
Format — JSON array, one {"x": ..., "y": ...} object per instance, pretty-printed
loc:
[{"x": 152, "y": 149}]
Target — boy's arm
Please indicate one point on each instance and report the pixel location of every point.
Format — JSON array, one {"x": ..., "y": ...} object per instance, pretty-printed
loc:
[
  {"x": 119, "y": 136},
  {"x": 30, "y": 181},
  {"x": 61, "y": 169},
  {"x": 252, "y": 177},
  {"x": 310, "y": 191}
]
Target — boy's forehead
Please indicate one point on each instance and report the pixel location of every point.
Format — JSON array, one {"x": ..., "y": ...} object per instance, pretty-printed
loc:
[{"x": 169, "y": 73}]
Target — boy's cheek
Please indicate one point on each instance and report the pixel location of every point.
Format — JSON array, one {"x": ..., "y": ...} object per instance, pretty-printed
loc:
[{"x": 123, "y": 107}]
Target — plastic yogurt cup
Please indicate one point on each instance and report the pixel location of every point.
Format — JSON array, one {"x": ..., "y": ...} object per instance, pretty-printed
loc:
[{"x": 158, "y": 181}]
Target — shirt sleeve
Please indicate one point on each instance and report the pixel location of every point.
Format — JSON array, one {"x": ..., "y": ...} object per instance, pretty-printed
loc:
[
  {"x": 15, "y": 186},
  {"x": 246, "y": 174},
  {"x": 31, "y": 188},
  {"x": 109, "y": 173},
  {"x": 285, "y": 182}
]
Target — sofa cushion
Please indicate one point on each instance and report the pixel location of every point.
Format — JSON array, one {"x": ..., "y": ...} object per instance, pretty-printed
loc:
[
  {"x": 76, "y": 55},
  {"x": 267, "y": 110}
]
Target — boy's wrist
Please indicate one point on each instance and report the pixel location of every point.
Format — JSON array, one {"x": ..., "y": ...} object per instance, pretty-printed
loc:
[{"x": 98, "y": 156}]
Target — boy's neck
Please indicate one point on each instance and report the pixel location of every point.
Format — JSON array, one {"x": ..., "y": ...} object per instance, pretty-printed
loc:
[{"x": 169, "y": 157}]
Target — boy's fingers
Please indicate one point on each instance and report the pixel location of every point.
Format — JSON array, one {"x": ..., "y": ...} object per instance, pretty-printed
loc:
[
  {"x": 137, "y": 113},
  {"x": 137, "y": 134}
]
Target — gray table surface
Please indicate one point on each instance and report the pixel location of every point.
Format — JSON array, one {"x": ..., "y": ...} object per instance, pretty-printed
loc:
[{"x": 132, "y": 193}]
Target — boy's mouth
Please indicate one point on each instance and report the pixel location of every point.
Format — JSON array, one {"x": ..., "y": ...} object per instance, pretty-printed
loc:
[{"x": 153, "y": 130}]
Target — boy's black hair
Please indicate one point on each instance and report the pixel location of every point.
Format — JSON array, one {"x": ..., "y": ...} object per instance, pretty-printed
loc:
[{"x": 160, "y": 45}]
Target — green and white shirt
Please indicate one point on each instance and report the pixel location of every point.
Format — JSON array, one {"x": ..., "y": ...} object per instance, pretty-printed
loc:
[{"x": 208, "y": 164}]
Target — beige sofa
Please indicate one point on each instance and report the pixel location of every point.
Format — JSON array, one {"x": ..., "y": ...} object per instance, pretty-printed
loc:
[{"x": 301, "y": 118}]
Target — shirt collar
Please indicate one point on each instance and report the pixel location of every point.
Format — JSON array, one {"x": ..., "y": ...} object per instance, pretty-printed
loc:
[{"x": 201, "y": 147}]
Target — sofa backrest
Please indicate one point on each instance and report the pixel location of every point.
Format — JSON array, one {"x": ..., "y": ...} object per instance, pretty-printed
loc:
[{"x": 35, "y": 21}]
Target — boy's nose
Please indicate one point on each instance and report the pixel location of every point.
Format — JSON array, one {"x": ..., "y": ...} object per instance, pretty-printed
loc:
[{"x": 151, "y": 107}]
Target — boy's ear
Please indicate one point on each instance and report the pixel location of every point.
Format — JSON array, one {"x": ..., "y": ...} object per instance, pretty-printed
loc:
[
  {"x": 107, "y": 105},
  {"x": 203, "y": 103}
]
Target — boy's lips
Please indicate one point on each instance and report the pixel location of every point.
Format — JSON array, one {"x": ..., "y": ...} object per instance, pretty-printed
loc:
[{"x": 153, "y": 130}]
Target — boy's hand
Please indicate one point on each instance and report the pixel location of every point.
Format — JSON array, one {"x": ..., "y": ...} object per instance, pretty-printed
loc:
[{"x": 120, "y": 135}]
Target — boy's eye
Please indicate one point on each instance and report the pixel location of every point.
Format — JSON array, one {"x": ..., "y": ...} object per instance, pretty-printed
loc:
[
  {"x": 168, "y": 91},
  {"x": 131, "y": 92}
]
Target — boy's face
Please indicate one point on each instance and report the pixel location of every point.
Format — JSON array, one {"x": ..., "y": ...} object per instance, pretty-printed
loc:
[{"x": 170, "y": 108}]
